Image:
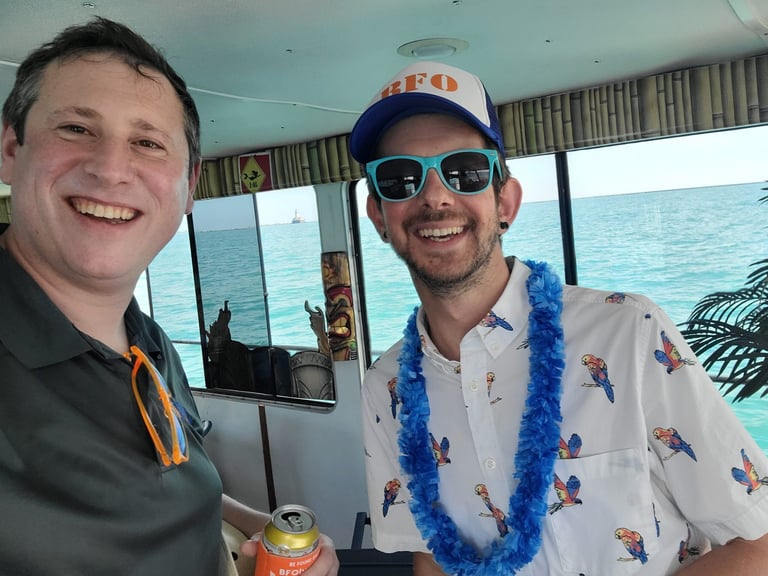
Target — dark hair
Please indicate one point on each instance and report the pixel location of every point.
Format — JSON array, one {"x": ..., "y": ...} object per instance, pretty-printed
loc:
[{"x": 97, "y": 36}]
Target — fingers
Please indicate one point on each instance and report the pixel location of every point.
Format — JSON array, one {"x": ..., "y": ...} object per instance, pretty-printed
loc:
[
  {"x": 327, "y": 563},
  {"x": 250, "y": 547}
]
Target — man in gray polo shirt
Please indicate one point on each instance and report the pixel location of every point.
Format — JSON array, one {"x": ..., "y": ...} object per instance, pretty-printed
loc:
[{"x": 102, "y": 466}]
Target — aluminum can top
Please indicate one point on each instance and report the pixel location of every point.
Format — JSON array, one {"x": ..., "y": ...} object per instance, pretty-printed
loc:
[{"x": 292, "y": 531}]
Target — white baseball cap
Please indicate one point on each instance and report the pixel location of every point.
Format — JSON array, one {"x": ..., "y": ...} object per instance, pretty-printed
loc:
[{"x": 423, "y": 88}]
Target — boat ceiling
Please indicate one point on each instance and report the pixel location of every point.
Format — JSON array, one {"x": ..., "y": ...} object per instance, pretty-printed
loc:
[{"x": 268, "y": 73}]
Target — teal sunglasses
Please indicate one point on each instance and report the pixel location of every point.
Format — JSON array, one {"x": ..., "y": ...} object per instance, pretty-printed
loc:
[{"x": 400, "y": 178}]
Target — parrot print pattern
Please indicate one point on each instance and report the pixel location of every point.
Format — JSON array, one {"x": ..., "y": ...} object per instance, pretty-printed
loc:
[
  {"x": 391, "y": 491},
  {"x": 672, "y": 439},
  {"x": 669, "y": 438},
  {"x": 495, "y": 512},
  {"x": 748, "y": 475},
  {"x": 669, "y": 356},
  {"x": 566, "y": 492},
  {"x": 492, "y": 320},
  {"x": 569, "y": 449},
  {"x": 598, "y": 370},
  {"x": 440, "y": 450},
  {"x": 634, "y": 544}
]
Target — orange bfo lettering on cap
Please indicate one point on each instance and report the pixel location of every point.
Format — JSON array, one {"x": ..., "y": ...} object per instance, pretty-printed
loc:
[{"x": 412, "y": 83}]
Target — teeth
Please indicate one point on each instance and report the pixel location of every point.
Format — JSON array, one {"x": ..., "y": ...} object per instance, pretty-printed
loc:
[
  {"x": 102, "y": 211},
  {"x": 437, "y": 233}
]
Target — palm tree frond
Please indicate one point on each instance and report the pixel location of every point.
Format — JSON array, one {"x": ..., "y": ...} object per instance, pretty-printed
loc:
[
  {"x": 760, "y": 274},
  {"x": 728, "y": 332},
  {"x": 733, "y": 307}
]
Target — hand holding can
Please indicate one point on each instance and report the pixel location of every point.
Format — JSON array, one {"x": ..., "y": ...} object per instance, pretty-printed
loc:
[{"x": 289, "y": 544}]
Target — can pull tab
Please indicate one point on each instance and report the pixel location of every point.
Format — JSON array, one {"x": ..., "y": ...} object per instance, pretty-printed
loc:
[{"x": 294, "y": 521}]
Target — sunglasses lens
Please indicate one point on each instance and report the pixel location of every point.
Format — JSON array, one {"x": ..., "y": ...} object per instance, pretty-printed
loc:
[
  {"x": 167, "y": 431},
  {"x": 467, "y": 172},
  {"x": 402, "y": 177},
  {"x": 154, "y": 407},
  {"x": 159, "y": 411},
  {"x": 399, "y": 178}
]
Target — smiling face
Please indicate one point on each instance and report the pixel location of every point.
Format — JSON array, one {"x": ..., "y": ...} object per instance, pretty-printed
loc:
[
  {"x": 448, "y": 240},
  {"x": 102, "y": 180}
]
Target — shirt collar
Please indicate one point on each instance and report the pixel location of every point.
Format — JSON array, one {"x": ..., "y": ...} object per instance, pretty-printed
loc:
[
  {"x": 38, "y": 334},
  {"x": 505, "y": 321}
]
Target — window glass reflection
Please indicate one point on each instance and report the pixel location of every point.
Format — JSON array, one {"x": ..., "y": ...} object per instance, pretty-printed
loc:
[
  {"x": 675, "y": 219},
  {"x": 535, "y": 233},
  {"x": 256, "y": 282},
  {"x": 169, "y": 284}
]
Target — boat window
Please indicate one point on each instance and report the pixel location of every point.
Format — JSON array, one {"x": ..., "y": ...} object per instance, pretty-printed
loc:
[
  {"x": 248, "y": 328},
  {"x": 535, "y": 233},
  {"x": 389, "y": 294},
  {"x": 676, "y": 220},
  {"x": 167, "y": 293}
]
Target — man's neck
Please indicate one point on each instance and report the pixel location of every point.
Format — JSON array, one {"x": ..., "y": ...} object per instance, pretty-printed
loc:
[
  {"x": 101, "y": 316},
  {"x": 449, "y": 318},
  {"x": 97, "y": 313}
]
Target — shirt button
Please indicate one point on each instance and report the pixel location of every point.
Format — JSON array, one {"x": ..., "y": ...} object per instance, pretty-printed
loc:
[
  {"x": 490, "y": 463},
  {"x": 474, "y": 386}
]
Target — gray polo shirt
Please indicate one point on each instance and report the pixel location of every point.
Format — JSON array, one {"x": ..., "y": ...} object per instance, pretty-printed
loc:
[{"x": 81, "y": 489}]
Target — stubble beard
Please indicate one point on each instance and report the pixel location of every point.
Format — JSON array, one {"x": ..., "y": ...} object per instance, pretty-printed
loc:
[{"x": 442, "y": 281}]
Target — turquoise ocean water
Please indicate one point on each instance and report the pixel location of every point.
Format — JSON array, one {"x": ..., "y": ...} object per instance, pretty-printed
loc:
[{"x": 674, "y": 246}]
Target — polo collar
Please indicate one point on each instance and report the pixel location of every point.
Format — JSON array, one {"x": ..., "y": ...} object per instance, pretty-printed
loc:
[{"x": 38, "y": 334}]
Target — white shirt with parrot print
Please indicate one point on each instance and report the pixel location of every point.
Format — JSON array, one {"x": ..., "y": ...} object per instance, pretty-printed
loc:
[{"x": 654, "y": 468}]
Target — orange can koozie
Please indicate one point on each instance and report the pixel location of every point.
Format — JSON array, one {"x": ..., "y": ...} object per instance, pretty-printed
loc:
[{"x": 290, "y": 542}]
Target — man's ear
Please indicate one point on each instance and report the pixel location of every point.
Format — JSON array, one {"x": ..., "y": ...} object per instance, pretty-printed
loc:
[
  {"x": 373, "y": 209},
  {"x": 510, "y": 198},
  {"x": 9, "y": 144},
  {"x": 194, "y": 177}
]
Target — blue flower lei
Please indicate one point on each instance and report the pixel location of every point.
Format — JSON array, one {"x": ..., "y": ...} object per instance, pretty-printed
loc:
[{"x": 537, "y": 443}]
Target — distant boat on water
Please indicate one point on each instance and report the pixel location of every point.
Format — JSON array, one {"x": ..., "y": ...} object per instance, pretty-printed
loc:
[{"x": 297, "y": 218}]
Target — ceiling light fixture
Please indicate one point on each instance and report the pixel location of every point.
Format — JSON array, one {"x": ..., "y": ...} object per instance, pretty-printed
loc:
[{"x": 432, "y": 48}]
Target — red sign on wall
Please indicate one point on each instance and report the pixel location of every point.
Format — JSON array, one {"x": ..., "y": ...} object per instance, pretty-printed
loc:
[{"x": 256, "y": 172}]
